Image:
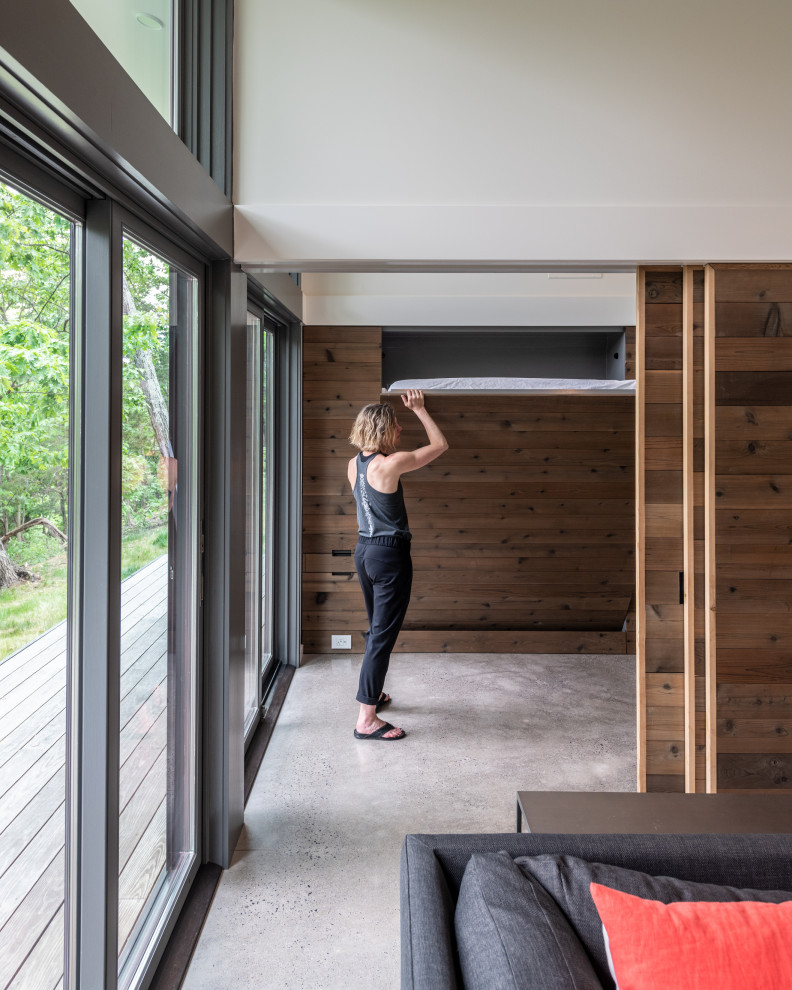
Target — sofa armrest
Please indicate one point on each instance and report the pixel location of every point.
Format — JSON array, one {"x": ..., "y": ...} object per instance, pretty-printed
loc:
[{"x": 428, "y": 956}]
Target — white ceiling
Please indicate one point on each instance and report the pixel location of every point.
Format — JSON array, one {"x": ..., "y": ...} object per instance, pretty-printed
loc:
[{"x": 546, "y": 131}]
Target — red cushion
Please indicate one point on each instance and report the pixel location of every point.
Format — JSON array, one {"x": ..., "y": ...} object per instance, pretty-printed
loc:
[{"x": 696, "y": 945}]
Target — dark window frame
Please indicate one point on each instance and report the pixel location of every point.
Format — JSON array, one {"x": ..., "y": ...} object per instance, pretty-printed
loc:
[{"x": 205, "y": 85}]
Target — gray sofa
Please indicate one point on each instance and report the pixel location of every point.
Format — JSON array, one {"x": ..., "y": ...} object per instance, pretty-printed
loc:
[{"x": 432, "y": 871}]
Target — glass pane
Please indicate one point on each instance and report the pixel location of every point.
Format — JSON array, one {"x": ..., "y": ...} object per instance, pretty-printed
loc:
[
  {"x": 158, "y": 594},
  {"x": 35, "y": 348},
  {"x": 253, "y": 513},
  {"x": 141, "y": 39},
  {"x": 266, "y": 499}
]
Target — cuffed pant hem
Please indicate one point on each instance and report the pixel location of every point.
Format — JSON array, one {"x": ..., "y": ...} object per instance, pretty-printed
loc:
[{"x": 366, "y": 701}]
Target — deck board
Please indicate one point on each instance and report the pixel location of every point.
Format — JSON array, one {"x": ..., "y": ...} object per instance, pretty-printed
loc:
[
  {"x": 31, "y": 819},
  {"x": 43, "y": 967},
  {"x": 32, "y": 782},
  {"x": 140, "y": 874},
  {"x": 51, "y": 710},
  {"x": 41, "y": 649}
]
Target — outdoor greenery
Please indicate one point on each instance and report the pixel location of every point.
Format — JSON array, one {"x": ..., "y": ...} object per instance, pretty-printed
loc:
[
  {"x": 27, "y": 610},
  {"x": 146, "y": 332},
  {"x": 35, "y": 348},
  {"x": 35, "y": 249}
]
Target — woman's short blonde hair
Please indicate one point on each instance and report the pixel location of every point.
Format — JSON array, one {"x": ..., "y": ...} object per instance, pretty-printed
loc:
[{"x": 374, "y": 428}]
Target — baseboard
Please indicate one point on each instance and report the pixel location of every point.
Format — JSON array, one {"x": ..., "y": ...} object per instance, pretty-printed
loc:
[{"x": 510, "y": 641}]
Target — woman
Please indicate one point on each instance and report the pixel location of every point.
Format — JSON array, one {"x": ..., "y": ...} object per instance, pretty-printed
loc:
[{"x": 382, "y": 556}]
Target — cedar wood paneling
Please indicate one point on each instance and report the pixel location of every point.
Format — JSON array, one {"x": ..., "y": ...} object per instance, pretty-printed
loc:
[
  {"x": 753, "y": 525},
  {"x": 662, "y": 649},
  {"x": 523, "y": 532}
]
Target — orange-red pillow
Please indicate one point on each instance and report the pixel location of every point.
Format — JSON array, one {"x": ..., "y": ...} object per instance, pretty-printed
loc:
[{"x": 696, "y": 945}]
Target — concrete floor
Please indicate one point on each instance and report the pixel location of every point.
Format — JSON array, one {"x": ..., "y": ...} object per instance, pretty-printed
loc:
[{"x": 312, "y": 895}]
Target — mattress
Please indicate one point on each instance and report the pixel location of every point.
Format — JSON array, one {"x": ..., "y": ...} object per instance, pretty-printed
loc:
[{"x": 515, "y": 384}]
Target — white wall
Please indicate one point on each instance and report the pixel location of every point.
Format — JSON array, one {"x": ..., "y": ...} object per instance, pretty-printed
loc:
[
  {"x": 145, "y": 52},
  {"x": 527, "y": 130},
  {"x": 470, "y": 299}
]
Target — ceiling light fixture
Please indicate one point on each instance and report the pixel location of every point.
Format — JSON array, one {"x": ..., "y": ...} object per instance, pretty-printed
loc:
[{"x": 150, "y": 21}]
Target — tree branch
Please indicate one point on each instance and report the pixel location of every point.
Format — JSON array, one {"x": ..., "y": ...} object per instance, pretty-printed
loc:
[
  {"x": 40, "y": 521},
  {"x": 49, "y": 247},
  {"x": 49, "y": 297}
]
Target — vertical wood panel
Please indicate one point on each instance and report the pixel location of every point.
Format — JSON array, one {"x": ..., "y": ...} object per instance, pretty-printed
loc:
[
  {"x": 749, "y": 537},
  {"x": 640, "y": 527},
  {"x": 697, "y": 550},
  {"x": 661, "y": 524},
  {"x": 629, "y": 352},
  {"x": 710, "y": 679},
  {"x": 688, "y": 529}
]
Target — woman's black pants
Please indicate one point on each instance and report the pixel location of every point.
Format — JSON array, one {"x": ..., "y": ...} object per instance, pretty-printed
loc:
[{"x": 384, "y": 567}]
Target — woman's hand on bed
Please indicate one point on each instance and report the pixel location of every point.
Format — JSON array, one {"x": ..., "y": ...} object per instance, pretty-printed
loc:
[{"x": 413, "y": 398}]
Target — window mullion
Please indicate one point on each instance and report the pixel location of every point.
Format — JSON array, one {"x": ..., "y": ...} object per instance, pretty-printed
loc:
[{"x": 92, "y": 923}]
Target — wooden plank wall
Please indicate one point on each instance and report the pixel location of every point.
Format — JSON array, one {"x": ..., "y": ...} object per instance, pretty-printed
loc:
[
  {"x": 523, "y": 532},
  {"x": 750, "y": 325},
  {"x": 342, "y": 372},
  {"x": 661, "y": 562},
  {"x": 525, "y": 526}
]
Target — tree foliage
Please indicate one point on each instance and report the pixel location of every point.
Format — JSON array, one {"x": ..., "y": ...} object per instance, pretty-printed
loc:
[
  {"x": 35, "y": 346},
  {"x": 35, "y": 249}
]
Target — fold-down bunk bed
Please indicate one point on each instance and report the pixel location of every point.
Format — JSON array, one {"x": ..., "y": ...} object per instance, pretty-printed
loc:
[{"x": 523, "y": 531}]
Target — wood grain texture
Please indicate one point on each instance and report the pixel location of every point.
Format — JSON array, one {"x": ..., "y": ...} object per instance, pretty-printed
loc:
[
  {"x": 751, "y": 525},
  {"x": 694, "y": 548},
  {"x": 710, "y": 555},
  {"x": 688, "y": 530},
  {"x": 33, "y": 786},
  {"x": 486, "y": 641},
  {"x": 664, "y": 349},
  {"x": 525, "y": 525},
  {"x": 642, "y": 409}
]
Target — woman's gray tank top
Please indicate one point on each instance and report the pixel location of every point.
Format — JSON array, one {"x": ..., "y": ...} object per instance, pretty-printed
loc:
[{"x": 379, "y": 513}]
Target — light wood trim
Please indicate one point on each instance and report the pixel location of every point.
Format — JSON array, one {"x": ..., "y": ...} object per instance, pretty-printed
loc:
[
  {"x": 710, "y": 603},
  {"x": 640, "y": 527},
  {"x": 687, "y": 529},
  {"x": 766, "y": 266}
]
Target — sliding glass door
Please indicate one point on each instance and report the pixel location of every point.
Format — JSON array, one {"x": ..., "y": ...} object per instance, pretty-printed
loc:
[
  {"x": 38, "y": 249},
  {"x": 159, "y": 594},
  {"x": 254, "y": 521},
  {"x": 266, "y": 547},
  {"x": 258, "y": 549}
]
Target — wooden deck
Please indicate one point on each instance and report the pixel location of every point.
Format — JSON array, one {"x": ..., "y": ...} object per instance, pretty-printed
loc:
[{"x": 32, "y": 783}]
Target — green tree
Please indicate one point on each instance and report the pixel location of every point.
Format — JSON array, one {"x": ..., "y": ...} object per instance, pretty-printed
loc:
[
  {"x": 35, "y": 250},
  {"x": 35, "y": 262}
]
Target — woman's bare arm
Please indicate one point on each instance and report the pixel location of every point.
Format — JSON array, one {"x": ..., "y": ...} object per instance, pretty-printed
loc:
[{"x": 403, "y": 461}]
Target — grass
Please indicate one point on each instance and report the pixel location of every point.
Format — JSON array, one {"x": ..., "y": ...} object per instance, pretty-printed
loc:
[
  {"x": 28, "y": 610},
  {"x": 139, "y": 549}
]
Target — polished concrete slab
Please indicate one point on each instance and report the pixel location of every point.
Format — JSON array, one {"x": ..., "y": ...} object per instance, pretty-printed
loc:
[{"x": 312, "y": 895}]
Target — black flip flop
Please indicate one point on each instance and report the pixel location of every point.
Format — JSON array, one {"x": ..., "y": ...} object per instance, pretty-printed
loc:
[
  {"x": 380, "y": 734},
  {"x": 383, "y": 700}
]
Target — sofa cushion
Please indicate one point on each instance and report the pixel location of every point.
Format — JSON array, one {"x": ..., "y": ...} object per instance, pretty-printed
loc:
[
  {"x": 695, "y": 945},
  {"x": 567, "y": 879},
  {"x": 511, "y": 934}
]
